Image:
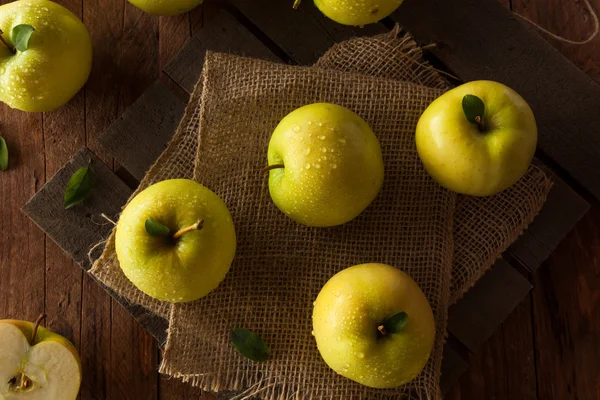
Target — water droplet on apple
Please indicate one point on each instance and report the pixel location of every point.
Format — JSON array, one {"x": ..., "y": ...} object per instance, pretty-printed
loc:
[
  {"x": 307, "y": 166},
  {"x": 321, "y": 137},
  {"x": 2, "y": 70},
  {"x": 345, "y": 369},
  {"x": 317, "y": 165},
  {"x": 360, "y": 355},
  {"x": 350, "y": 296},
  {"x": 308, "y": 122},
  {"x": 324, "y": 149},
  {"x": 296, "y": 128},
  {"x": 307, "y": 151},
  {"x": 312, "y": 333},
  {"x": 334, "y": 166},
  {"x": 342, "y": 140},
  {"x": 319, "y": 124},
  {"x": 336, "y": 293}
]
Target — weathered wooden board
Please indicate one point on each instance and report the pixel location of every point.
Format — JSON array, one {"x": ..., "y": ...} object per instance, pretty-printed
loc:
[
  {"x": 303, "y": 34},
  {"x": 78, "y": 229},
  {"x": 155, "y": 113},
  {"x": 563, "y": 208},
  {"x": 477, "y": 315},
  {"x": 482, "y": 39},
  {"x": 453, "y": 366},
  {"x": 224, "y": 34}
]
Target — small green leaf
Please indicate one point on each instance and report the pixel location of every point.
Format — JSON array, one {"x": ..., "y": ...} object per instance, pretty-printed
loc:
[
  {"x": 20, "y": 36},
  {"x": 473, "y": 108},
  {"x": 3, "y": 155},
  {"x": 79, "y": 187},
  {"x": 155, "y": 228},
  {"x": 250, "y": 345},
  {"x": 396, "y": 322}
]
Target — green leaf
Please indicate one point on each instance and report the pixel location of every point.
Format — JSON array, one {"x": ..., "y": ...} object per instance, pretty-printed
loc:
[
  {"x": 396, "y": 322},
  {"x": 250, "y": 345},
  {"x": 155, "y": 228},
  {"x": 3, "y": 155},
  {"x": 79, "y": 187},
  {"x": 20, "y": 36},
  {"x": 473, "y": 108}
]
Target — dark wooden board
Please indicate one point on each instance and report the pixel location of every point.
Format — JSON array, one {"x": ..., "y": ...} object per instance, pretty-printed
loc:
[
  {"x": 453, "y": 366},
  {"x": 303, "y": 34},
  {"x": 144, "y": 129},
  {"x": 475, "y": 317},
  {"x": 563, "y": 208},
  {"x": 78, "y": 229},
  {"x": 224, "y": 34},
  {"x": 482, "y": 39}
]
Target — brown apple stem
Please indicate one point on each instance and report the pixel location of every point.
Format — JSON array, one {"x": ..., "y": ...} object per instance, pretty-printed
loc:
[
  {"x": 6, "y": 44},
  {"x": 196, "y": 227},
  {"x": 270, "y": 167},
  {"x": 479, "y": 121},
  {"x": 382, "y": 330},
  {"x": 297, "y": 4},
  {"x": 38, "y": 321}
]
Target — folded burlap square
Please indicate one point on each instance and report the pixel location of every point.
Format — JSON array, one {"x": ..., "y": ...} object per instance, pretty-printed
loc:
[{"x": 482, "y": 231}]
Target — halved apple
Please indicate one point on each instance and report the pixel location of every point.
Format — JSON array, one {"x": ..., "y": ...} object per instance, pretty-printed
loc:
[{"x": 46, "y": 367}]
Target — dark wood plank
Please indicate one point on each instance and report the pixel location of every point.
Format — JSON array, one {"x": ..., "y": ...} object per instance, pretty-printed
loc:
[
  {"x": 481, "y": 39},
  {"x": 570, "y": 20},
  {"x": 481, "y": 311},
  {"x": 304, "y": 34},
  {"x": 453, "y": 366},
  {"x": 78, "y": 229},
  {"x": 563, "y": 208},
  {"x": 504, "y": 367},
  {"x": 22, "y": 244},
  {"x": 222, "y": 33},
  {"x": 64, "y": 134},
  {"x": 566, "y": 312},
  {"x": 140, "y": 135}
]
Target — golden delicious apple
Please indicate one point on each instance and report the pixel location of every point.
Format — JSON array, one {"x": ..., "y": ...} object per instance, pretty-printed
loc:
[
  {"x": 46, "y": 367},
  {"x": 194, "y": 253},
  {"x": 325, "y": 165},
  {"x": 56, "y": 62},
  {"x": 357, "y": 12},
  {"x": 478, "y": 138},
  {"x": 166, "y": 7},
  {"x": 374, "y": 325}
]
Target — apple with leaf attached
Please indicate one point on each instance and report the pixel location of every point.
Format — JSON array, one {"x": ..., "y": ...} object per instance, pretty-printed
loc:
[
  {"x": 175, "y": 240},
  {"x": 45, "y": 55},
  {"x": 477, "y": 139},
  {"x": 325, "y": 165},
  {"x": 373, "y": 325},
  {"x": 36, "y": 364}
]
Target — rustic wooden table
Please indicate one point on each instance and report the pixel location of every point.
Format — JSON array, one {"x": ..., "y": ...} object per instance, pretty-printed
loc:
[{"x": 548, "y": 348}]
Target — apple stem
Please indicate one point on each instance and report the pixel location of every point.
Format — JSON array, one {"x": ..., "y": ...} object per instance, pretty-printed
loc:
[
  {"x": 196, "y": 227},
  {"x": 270, "y": 167},
  {"x": 11, "y": 48},
  {"x": 479, "y": 121},
  {"x": 382, "y": 330},
  {"x": 297, "y": 4},
  {"x": 38, "y": 321}
]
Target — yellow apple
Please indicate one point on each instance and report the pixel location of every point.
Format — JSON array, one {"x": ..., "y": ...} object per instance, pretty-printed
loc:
[
  {"x": 357, "y": 12},
  {"x": 477, "y": 158},
  {"x": 350, "y": 324},
  {"x": 56, "y": 62},
  {"x": 44, "y": 368},
  {"x": 166, "y": 7},
  {"x": 194, "y": 254},
  {"x": 325, "y": 165}
]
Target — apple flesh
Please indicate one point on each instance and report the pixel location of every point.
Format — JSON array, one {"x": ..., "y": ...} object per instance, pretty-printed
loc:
[
  {"x": 347, "y": 318},
  {"x": 357, "y": 12},
  {"x": 48, "y": 369},
  {"x": 169, "y": 268},
  {"x": 55, "y": 65},
  {"x": 166, "y": 7},
  {"x": 477, "y": 159},
  {"x": 325, "y": 165}
]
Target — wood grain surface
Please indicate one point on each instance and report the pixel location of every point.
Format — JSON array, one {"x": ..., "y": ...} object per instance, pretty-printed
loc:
[{"x": 535, "y": 354}]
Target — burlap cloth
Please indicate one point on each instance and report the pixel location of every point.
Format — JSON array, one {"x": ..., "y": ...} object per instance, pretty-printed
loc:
[{"x": 280, "y": 266}]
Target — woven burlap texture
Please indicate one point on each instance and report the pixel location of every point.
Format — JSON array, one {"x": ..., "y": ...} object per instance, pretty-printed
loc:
[
  {"x": 280, "y": 266},
  {"x": 394, "y": 58}
]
